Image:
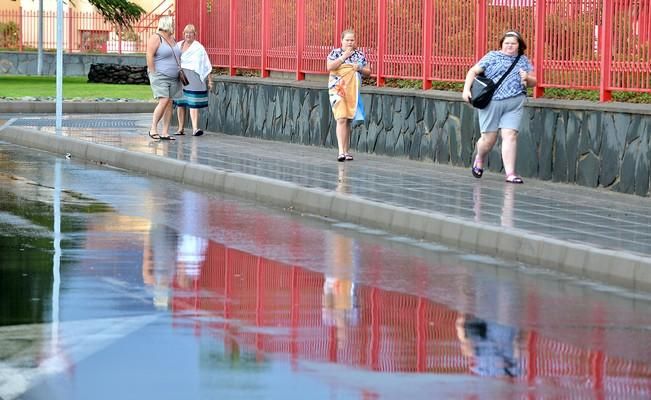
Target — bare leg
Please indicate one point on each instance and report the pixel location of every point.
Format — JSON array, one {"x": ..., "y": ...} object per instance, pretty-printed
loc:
[
  {"x": 509, "y": 150},
  {"x": 167, "y": 117},
  {"x": 158, "y": 113},
  {"x": 194, "y": 118},
  {"x": 484, "y": 145},
  {"x": 180, "y": 114},
  {"x": 343, "y": 135}
]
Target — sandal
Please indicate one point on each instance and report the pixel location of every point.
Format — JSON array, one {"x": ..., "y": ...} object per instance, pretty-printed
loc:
[
  {"x": 477, "y": 172},
  {"x": 179, "y": 133},
  {"x": 154, "y": 136},
  {"x": 341, "y": 157},
  {"x": 348, "y": 156},
  {"x": 513, "y": 178},
  {"x": 198, "y": 132},
  {"x": 168, "y": 137}
]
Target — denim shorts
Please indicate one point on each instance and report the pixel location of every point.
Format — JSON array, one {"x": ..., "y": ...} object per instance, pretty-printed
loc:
[
  {"x": 165, "y": 86},
  {"x": 502, "y": 114}
]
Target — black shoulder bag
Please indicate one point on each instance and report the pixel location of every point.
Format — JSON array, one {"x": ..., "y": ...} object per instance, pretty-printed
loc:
[{"x": 483, "y": 88}]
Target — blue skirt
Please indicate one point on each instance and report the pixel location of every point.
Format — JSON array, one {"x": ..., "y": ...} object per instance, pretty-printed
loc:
[{"x": 195, "y": 95}]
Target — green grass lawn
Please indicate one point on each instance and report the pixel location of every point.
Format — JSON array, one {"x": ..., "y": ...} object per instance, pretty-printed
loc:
[{"x": 73, "y": 87}]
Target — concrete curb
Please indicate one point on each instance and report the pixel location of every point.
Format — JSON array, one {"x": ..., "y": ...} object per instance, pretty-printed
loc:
[
  {"x": 77, "y": 107},
  {"x": 613, "y": 267}
]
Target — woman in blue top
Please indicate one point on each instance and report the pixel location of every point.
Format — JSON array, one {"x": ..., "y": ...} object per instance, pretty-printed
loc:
[{"x": 504, "y": 112}]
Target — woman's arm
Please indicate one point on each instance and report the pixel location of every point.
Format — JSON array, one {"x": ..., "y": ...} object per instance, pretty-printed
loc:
[
  {"x": 331, "y": 65},
  {"x": 152, "y": 45},
  {"x": 470, "y": 76},
  {"x": 528, "y": 78},
  {"x": 365, "y": 70}
]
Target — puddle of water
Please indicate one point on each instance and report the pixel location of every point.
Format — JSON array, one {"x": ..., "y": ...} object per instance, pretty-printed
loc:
[{"x": 166, "y": 292}]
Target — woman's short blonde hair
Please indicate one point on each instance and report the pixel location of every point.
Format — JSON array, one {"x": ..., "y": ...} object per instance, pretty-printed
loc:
[
  {"x": 346, "y": 32},
  {"x": 189, "y": 28},
  {"x": 165, "y": 23}
]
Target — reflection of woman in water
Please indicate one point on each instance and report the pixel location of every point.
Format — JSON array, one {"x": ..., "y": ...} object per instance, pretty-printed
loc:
[
  {"x": 339, "y": 299},
  {"x": 493, "y": 347},
  {"x": 159, "y": 262}
]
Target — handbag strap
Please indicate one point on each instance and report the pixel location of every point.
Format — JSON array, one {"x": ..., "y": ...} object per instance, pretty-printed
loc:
[
  {"x": 508, "y": 71},
  {"x": 175, "y": 57}
]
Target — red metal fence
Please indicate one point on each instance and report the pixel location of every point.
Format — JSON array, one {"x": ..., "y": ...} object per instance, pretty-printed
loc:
[
  {"x": 601, "y": 45},
  {"x": 84, "y": 32}
]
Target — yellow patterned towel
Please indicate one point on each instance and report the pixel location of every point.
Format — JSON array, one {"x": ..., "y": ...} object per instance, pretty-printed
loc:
[{"x": 343, "y": 89}]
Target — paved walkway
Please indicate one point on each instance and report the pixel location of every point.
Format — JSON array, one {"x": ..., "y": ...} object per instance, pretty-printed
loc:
[{"x": 586, "y": 232}]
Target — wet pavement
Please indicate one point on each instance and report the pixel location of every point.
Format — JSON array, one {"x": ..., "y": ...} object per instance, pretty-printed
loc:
[
  {"x": 114, "y": 285},
  {"x": 590, "y": 233}
]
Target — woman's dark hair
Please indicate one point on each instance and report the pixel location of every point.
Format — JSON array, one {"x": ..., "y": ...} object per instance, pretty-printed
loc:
[{"x": 522, "y": 46}]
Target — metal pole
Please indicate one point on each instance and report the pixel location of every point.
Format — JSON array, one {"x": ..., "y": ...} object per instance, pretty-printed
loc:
[
  {"x": 59, "y": 74},
  {"x": 56, "y": 258},
  {"x": 39, "y": 60}
]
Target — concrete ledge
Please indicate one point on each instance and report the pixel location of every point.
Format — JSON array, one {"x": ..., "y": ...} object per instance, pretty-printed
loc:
[
  {"x": 610, "y": 266},
  {"x": 77, "y": 107}
]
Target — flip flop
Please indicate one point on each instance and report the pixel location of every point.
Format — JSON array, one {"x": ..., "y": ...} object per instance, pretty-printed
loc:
[
  {"x": 198, "y": 132},
  {"x": 154, "y": 136},
  {"x": 514, "y": 179},
  {"x": 179, "y": 133},
  {"x": 477, "y": 172},
  {"x": 348, "y": 157},
  {"x": 341, "y": 157},
  {"x": 168, "y": 137}
]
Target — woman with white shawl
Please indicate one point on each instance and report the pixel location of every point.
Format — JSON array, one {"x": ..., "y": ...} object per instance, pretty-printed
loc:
[{"x": 197, "y": 67}]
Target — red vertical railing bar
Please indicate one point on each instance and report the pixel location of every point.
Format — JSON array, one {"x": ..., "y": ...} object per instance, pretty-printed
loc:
[
  {"x": 605, "y": 43},
  {"x": 259, "y": 306},
  {"x": 20, "y": 27},
  {"x": 119, "y": 41},
  {"x": 332, "y": 342},
  {"x": 294, "y": 315},
  {"x": 598, "y": 369},
  {"x": 300, "y": 39},
  {"x": 374, "y": 356},
  {"x": 421, "y": 336},
  {"x": 381, "y": 40},
  {"x": 481, "y": 29},
  {"x": 202, "y": 21},
  {"x": 427, "y": 43},
  {"x": 339, "y": 21},
  {"x": 231, "y": 38},
  {"x": 539, "y": 53},
  {"x": 264, "y": 37},
  {"x": 532, "y": 359},
  {"x": 70, "y": 18},
  {"x": 228, "y": 287}
]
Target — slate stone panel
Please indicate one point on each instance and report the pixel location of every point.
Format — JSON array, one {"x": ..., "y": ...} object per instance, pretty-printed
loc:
[
  {"x": 559, "y": 156},
  {"x": 573, "y": 129},
  {"x": 627, "y": 173},
  {"x": 527, "y": 158},
  {"x": 612, "y": 149}
]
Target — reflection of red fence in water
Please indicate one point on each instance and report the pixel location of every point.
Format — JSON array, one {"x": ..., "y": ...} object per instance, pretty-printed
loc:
[{"x": 271, "y": 307}]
